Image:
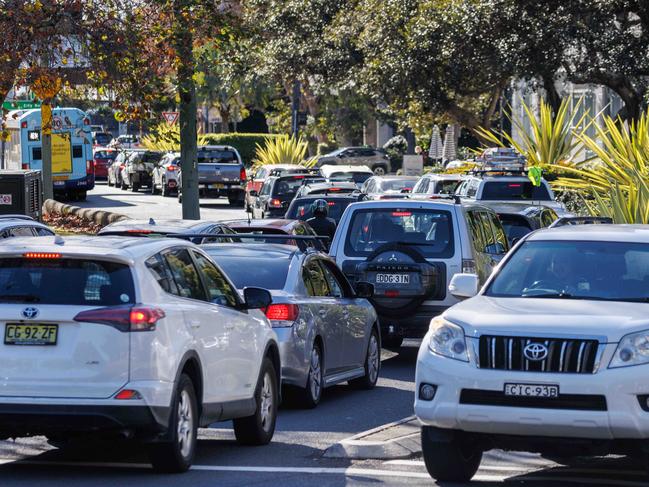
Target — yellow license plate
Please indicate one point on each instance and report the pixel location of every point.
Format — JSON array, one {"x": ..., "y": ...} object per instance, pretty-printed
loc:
[{"x": 30, "y": 334}]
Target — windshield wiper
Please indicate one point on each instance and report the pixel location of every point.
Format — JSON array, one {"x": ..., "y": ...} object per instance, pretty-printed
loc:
[
  {"x": 27, "y": 298},
  {"x": 561, "y": 295}
]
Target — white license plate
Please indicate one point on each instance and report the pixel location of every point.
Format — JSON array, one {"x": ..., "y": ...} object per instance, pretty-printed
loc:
[
  {"x": 392, "y": 279},
  {"x": 532, "y": 390}
]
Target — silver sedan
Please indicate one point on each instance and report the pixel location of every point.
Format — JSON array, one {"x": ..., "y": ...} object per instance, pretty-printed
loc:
[{"x": 328, "y": 333}]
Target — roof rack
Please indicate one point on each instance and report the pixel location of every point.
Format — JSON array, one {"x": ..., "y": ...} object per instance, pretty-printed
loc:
[
  {"x": 581, "y": 220},
  {"x": 16, "y": 217},
  {"x": 301, "y": 240}
]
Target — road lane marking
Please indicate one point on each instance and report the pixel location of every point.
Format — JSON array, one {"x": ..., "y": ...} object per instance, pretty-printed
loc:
[{"x": 416, "y": 463}]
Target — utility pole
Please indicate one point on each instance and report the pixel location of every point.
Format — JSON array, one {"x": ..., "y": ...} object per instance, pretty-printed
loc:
[{"x": 295, "y": 109}]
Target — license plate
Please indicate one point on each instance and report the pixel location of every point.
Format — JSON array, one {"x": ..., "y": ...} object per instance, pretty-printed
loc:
[
  {"x": 392, "y": 279},
  {"x": 531, "y": 390},
  {"x": 30, "y": 334},
  {"x": 216, "y": 186}
]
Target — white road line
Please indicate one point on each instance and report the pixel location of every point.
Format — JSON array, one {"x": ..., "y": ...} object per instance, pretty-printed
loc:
[
  {"x": 416, "y": 463},
  {"x": 587, "y": 481}
]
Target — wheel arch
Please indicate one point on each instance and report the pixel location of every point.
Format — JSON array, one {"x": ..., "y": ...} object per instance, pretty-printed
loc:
[
  {"x": 272, "y": 352},
  {"x": 191, "y": 366}
]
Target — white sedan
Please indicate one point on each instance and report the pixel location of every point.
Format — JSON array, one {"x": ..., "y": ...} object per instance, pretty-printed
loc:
[{"x": 165, "y": 175}]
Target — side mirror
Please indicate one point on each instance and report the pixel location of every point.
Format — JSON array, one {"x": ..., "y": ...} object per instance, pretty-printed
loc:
[
  {"x": 364, "y": 289},
  {"x": 253, "y": 193},
  {"x": 256, "y": 297},
  {"x": 464, "y": 285}
]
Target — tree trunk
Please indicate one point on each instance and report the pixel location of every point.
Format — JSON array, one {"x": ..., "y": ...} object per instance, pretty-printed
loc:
[
  {"x": 224, "y": 111},
  {"x": 551, "y": 93},
  {"x": 187, "y": 93}
]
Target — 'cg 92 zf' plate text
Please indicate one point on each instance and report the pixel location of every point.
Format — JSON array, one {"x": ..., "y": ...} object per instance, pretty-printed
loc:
[{"x": 30, "y": 334}]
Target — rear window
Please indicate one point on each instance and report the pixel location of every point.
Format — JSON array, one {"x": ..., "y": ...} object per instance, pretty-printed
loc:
[
  {"x": 287, "y": 186},
  {"x": 101, "y": 154},
  {"x": 517, "y": 190},
  {"x": 356, "y": 177},
  {"x": 516, "y": 227},
  {"x": 446, "y": 187},
  {"x": 103, "y": 139},
  {"x": 429, "y": 231},
  {"x": 65, "y": 281},
  {"x": 302, "y": 210},
  {"x": 269, "y": 273},
  {"x": 217, "y": 156},
  {"x": 397, "y": 185}
]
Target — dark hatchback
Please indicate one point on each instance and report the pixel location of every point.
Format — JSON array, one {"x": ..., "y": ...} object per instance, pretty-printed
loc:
[
  {"x": 519, "y": 219},
  {"x": 276, "y": 195},
  {"x": 300, "y": 208}
]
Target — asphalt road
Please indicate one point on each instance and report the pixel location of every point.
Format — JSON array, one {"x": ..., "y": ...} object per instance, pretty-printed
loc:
[{"x": 144, "y": 205}]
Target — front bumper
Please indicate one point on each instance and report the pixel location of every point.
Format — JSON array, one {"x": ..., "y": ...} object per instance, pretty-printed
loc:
[
  {"x": 414, "y": 325},
  {"x": 621, "y": 416}
]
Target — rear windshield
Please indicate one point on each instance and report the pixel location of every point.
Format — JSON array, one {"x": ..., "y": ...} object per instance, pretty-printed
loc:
[
  {"x": 516, "y": 227},
  {"x": 302, "y": 209},
  {"x": 103, "y": 139},
  {"x": 356, "y": 177},
  {"x": 518, "y": 190},
  {"x": 333, "y": 190},
  {"x": 397, "y": 185},
  {"x": 429, "y": 231},
  {"x": 102, "y": 154},
  {"x": 268, "y": 274},
  {"x": 287, "y": 186},
  {"x": 217, "y": 156},
  {"x": 446, "y": 187},
  {"x": 65, "y": 281}
]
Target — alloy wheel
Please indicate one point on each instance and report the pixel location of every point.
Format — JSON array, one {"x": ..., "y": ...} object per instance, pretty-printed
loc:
[
  {"x": 185, "y": 424},
  {"x": 373, "y": 359},
  {"x": 315, "y": 374},
  {"x": 266, "y": 403}
]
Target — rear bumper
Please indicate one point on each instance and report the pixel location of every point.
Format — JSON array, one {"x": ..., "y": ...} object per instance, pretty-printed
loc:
[
  {"x": 275, "y": 212},
  {"x": 87, "y": 183},
  {"x": 414, "y": 325},
  {"x": 208, "y": 189},
  {"x": 43, "y": 419}
]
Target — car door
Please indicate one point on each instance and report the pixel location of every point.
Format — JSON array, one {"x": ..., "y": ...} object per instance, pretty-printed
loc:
[
  {"x": 242, "y": 330},
  {"x": 210, "y": 331},
  {"x": 328, "y": 318},
  {"x": 352, "y": 315}
]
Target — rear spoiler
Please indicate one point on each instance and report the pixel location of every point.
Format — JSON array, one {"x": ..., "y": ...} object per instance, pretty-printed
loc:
[
  {"x": 581, "y": 220},
  {"x": 318, "y": 242}
]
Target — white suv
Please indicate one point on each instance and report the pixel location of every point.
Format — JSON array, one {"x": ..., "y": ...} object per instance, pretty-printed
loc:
[
  {"x": 551, "y": 356},
  {"x": 141, "y": 338}
]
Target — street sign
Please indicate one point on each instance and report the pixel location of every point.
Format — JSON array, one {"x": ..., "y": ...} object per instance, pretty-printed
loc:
[
  {"x": 171, "y": 117},
  {"x": 21, "y": 104}
]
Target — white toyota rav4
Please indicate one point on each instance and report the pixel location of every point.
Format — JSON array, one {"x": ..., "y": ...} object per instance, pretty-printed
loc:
[
  {"x": 142, "y": 338},
  {"x": 551, "y": 356}
]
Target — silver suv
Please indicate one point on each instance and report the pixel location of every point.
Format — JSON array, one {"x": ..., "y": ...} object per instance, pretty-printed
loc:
[
  {"x": 409, "y": 250},
  {"x": 376, "y": 159}
]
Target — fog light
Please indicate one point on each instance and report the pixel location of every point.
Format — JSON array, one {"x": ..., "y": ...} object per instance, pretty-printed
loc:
[{"x": 427, "y": 392}]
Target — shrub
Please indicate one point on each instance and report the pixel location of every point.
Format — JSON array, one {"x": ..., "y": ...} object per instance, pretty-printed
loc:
[
  {"x": 246, "y": 144},
  {"x": 281, "y": 150}
]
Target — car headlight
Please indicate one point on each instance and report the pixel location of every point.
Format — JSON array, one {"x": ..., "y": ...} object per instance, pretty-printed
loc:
[
  {"x": 447, "y": 339},
  {"x": 633, "y": 349}
]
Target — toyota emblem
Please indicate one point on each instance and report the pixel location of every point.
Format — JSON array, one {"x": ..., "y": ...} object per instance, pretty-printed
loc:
[
  {"x": 535, "y": 352},
  {"x": 30, "y": 312}
]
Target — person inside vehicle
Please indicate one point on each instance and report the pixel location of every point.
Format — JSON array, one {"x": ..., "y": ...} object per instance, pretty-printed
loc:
[{"x": 320, "y": 222}]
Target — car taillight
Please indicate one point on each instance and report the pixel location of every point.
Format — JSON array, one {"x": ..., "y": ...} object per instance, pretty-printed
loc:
[
  {"x": 90, "y": 167},
  {"x": 275, "y": 203},
  {"x": 171, "y": 168},
  {"x": 25, "y": 165},
  {"x": 468, "y": 266},
  {"x": 282, "y": 315},
  {"x": 124, "y": 318},
  {"x": 242, "y": 174},
  {"x": 42, "y": 255}
]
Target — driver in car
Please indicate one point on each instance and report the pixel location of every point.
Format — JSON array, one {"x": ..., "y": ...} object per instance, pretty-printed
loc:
[{"x": 561, "y": 276}]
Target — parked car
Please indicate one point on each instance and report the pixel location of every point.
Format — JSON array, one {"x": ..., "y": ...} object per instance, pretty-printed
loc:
[
  {"x": 519, "y": 219},
  {"x": 327, "y": 188},
  {"x": 118, "y": 164},
  {"x": 355, "y": 174},
  {"x": 128, "y": 336},
  {"x": 508, "y": 188},
  {"x": 220, "y": 173},
  {"x": 264, "y": 172},
  {"x": 164, "y": 228},
  {"x": 327, "y": 332},
  {"x": 388, "y": 187},
  {"x": 433, "y": 186},
  {"x": 103, "y": 157},
  {"x": 127, "y": 141},
  {"x": 138, "y": 169},
  {"x": 410, "y": 251},
  {"x": 548, "y": 357},
  {"x": 301, "y": 208},
  {"x": 376, "y": 159},
  {"x": 276, "y": 194},
  {"x": 165, "y": 175},
  {"x": 22, "y": 226}
]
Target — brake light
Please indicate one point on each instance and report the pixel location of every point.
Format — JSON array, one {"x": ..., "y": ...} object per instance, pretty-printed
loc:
[
  {"x": 331, "y": 203},
  {"x": 86, "y": 121},
  {"x": 515, "y": 185},
  {"x": 124, "y": 318},
  {"x": 42, "y": 255},
  {"x": 391, "y": 293},
  {"x": 137, "y": 231},
  {"x": 242, "y": 174},
  {"x": 171, "y": 168},
  {"x": 25, "y": 165},
  {"x": 401, "y": 213},
  {"x": 127, "y": 394},
  {"x": 334, "y": 189},
  {"x": 282, "y": 312},
  {"x": 298, "y": 177},
  {"x": 275, "y": 203},
  {"x": 435, "y": 196},
  {"x": 23, "y": 125},
  {"x": 406, "y": 190}
]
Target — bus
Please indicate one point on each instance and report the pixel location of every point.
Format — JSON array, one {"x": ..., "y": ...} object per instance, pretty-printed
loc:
[{"x": 72, "y": 162}]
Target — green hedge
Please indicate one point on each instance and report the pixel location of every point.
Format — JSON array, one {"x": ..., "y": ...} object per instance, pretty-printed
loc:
[{"x": 246, "y": 144}]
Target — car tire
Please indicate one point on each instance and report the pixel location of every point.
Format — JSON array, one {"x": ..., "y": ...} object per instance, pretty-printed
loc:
[
  {"x": 81, "y": 195},
  {"x": 449, "y": 461},
  {"x": 392, "y": 343},
  {"x": 123, "y": 185},
  {"x": 372, "y": 364},
  {"x": 309, "y": 397},
  {"x": 259, "y": 428},
  {"x": 233, "y": 200},
  {"x": 380, "y": 170},
  {"x": 135, "y": 187},
  {"x": 177, "y": 454}
]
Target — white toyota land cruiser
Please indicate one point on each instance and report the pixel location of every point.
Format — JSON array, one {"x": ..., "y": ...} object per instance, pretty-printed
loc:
[{"x": 551, "y": 356}]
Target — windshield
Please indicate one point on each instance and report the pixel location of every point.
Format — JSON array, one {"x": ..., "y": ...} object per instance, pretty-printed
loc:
[
  {"x": 103, "y": 139},
  {"x": 356, "y": 177},
  {"x": 429, "y": 231},
  {"x": 65, "y": 281},
  {"x": 517, "y": 190},
  {"x": 287, "y": 186},
  {"x": 217, "y": 156},
  {"x": 616, "y": 271},
  {"x": 302, "y": 210},
  {"x": 398, "y": 184},
  {"x": 268, "y": 274}
]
